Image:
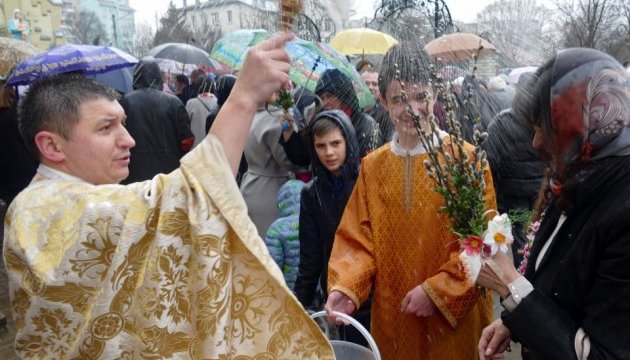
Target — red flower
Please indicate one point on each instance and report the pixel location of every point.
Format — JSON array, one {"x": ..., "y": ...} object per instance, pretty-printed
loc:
[{"x": 472, "y": 244}]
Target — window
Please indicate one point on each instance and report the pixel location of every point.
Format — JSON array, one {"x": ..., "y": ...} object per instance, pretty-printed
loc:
[
  {"x": 215, "y": 18},
  {"x": 229, "y": 14}
]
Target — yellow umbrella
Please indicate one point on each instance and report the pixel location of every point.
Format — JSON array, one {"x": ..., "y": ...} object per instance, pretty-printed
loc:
[{"x": 362, "y": 41}]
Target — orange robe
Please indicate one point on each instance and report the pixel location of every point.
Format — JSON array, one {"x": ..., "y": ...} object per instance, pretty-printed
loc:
[{"x": 379, "y": 242}]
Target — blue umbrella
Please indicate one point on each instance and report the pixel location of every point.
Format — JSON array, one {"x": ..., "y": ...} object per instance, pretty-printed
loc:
[
  {"x": 120, "y": 79},
  {"x": 68, "y": 58}
]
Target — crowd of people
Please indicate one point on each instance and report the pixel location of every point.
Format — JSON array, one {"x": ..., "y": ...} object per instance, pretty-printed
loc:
[{"x": 198, "y": 219}]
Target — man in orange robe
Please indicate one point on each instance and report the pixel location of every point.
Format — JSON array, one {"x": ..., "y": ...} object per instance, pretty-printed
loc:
[{"x": 392, "y": 236}]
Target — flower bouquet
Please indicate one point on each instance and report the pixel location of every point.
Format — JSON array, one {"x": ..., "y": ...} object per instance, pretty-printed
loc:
[{"x": 458, "y": 174}]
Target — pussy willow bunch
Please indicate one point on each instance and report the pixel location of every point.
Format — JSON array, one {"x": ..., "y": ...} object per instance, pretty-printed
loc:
[{"x": 458, "y": 176}]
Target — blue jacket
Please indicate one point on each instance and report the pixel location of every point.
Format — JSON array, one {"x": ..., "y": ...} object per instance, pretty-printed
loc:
[{"x": 283, "y": 236}]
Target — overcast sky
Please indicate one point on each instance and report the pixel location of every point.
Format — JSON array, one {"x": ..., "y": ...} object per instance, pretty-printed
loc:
[{"x": 462, "y": 10}]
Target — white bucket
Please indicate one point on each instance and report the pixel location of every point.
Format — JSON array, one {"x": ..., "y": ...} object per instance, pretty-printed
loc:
[{"x": 345, "y": 350}]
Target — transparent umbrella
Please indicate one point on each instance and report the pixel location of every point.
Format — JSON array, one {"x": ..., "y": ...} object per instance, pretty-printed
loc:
[
  {"x": 308, "y": 60},
  {"x": 185, "y": 54}
]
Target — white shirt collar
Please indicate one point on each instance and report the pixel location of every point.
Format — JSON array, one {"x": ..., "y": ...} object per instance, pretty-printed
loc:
[
  {"x": 417, "y": 150},
  {"x": 51, "y": 173}
]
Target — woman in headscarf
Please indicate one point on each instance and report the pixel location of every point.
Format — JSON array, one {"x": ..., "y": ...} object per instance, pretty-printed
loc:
[{"x": 574, "y": 300}]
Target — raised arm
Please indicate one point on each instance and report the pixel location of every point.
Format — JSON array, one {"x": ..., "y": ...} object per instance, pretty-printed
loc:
[{"x": 265, "y": 70}]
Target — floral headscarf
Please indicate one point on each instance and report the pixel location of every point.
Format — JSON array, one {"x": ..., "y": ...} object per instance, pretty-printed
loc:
[{"x": 590, "y": 106}]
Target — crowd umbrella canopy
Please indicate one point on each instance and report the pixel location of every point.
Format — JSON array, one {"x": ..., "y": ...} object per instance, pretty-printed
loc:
[{"x": 308, "y": 60}]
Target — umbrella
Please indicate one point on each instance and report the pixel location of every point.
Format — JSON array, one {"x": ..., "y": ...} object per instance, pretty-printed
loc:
[
  {"x": 362, "y": 41},
  {"x": 175, "y": 67},
  {"x": 306, "y": 55},
  {"x": 458, "y": 46},
  {"x": 308, "y": 60},
  {"x": 516, "y": 73},
  {"x": 68, "y": 58},
  {"x": 12, "y": 52},
  {"x": 120, "y": 79},
  {"x": 185, "y": 54},
  {"x": 231, "y": 48}
]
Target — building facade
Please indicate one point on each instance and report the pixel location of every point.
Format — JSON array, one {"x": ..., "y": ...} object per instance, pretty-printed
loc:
[
  {"x": 117, "y": 18},
  {"x": 229, "y": 15},
  {"x": 42, "y": 20}
]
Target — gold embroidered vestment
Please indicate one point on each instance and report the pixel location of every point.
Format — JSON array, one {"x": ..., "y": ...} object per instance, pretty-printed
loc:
[{"x": 167, "y": 268}]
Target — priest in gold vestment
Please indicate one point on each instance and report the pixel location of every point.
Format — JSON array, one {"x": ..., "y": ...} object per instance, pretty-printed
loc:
[
  {"x": 170, "y": 268},
  {"x": 393, "y": 237}
]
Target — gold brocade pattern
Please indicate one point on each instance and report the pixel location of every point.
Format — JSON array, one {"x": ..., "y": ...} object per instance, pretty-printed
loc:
[
  {"x": 381, "y": 241},
  {"x": 168, "y": 268}
]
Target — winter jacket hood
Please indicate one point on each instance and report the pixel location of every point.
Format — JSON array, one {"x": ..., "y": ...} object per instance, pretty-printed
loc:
[
  {"x": 350, "y": 169},
  {"x": 289, "y": 198},
  {"x": 147, "y": 74}
]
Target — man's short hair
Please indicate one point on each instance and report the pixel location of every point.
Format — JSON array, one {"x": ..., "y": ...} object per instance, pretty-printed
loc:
[
  {"x": 407, "y": 62},
  {"x": 52, "y": 104}
]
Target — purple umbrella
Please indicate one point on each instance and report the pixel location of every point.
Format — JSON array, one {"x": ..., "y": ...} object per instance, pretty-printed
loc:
[{"x": 68, "y": 58}]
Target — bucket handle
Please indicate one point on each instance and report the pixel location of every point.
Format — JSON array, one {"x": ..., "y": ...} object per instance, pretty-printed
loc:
[{"x": 357, "y": 325}]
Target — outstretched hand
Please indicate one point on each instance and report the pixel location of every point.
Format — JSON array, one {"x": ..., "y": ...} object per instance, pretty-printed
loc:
[
  {"x": 265, "y": 70},
  {"x": 418, "y": 303},
  {"x": 340, "y": 302}
]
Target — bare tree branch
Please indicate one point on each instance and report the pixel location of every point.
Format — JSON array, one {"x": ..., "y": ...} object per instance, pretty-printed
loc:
[{"x": 518, "y": 38}]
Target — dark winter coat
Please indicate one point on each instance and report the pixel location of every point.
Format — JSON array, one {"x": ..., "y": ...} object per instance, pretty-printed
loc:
[
  {"x": 306, "y": 103},
  {"x": 323, "y": 200},
  {"x": 158, "y": 122},
  {"x": 517, "y": 172},
  {"x": 385, "y": 125},
  {"x": 583, "y": 280},
  {"x": 17, "y": 163},
  {"x": 368, "y": 134}
]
